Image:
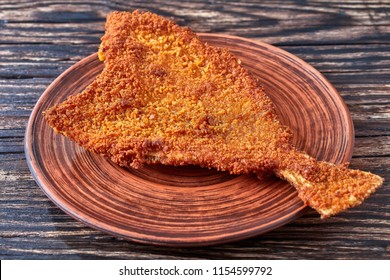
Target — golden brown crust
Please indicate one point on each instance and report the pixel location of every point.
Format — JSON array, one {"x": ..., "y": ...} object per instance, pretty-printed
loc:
[
  {"x": 162, "y": 85},
  {"x": 328, "y": 188},
  {"x": 166, "y": 97}
]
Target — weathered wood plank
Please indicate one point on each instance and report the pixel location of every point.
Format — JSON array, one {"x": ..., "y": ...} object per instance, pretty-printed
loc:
[
  {"x": 45, "y": 53},
  {"x": 275, "y": 22},
  {"x": 225, "y": 12},
  {"x": 345, "y": 58},
  {"x": 90, "y": 33},
  {"x": 372, "y": 146}
]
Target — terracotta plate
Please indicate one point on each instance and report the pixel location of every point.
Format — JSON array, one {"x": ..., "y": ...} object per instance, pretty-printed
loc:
[{"x": 189, "y": 206}]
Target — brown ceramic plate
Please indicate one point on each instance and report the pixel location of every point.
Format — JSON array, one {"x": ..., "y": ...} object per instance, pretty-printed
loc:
[{"x": 190, "y": 206}]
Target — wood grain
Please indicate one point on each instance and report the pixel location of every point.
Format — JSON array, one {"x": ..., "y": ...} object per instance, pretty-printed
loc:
[
  {"x": 41, "y": 39},
  {"x": 281, "y": 22}
]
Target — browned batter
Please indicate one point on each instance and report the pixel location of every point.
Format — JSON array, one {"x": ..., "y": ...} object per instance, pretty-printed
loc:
[{"x": 166, "y": 97}]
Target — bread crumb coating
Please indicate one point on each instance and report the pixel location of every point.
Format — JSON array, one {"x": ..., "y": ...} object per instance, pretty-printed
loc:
[{"x": 166, "y": 97}]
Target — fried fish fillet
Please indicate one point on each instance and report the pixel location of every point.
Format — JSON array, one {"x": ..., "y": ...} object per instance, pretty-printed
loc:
[{"x": 166, "y": 97}]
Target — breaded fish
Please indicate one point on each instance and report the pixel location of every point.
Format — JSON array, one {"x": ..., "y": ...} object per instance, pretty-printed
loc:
[{"x": 166, "y": 97}]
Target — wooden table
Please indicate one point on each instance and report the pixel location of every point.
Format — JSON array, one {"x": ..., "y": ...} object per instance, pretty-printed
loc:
[{"x": 348, "y": 42}]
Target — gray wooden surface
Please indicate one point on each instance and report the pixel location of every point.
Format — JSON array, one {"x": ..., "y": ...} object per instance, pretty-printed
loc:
[{"x": 348, "y": 41}]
